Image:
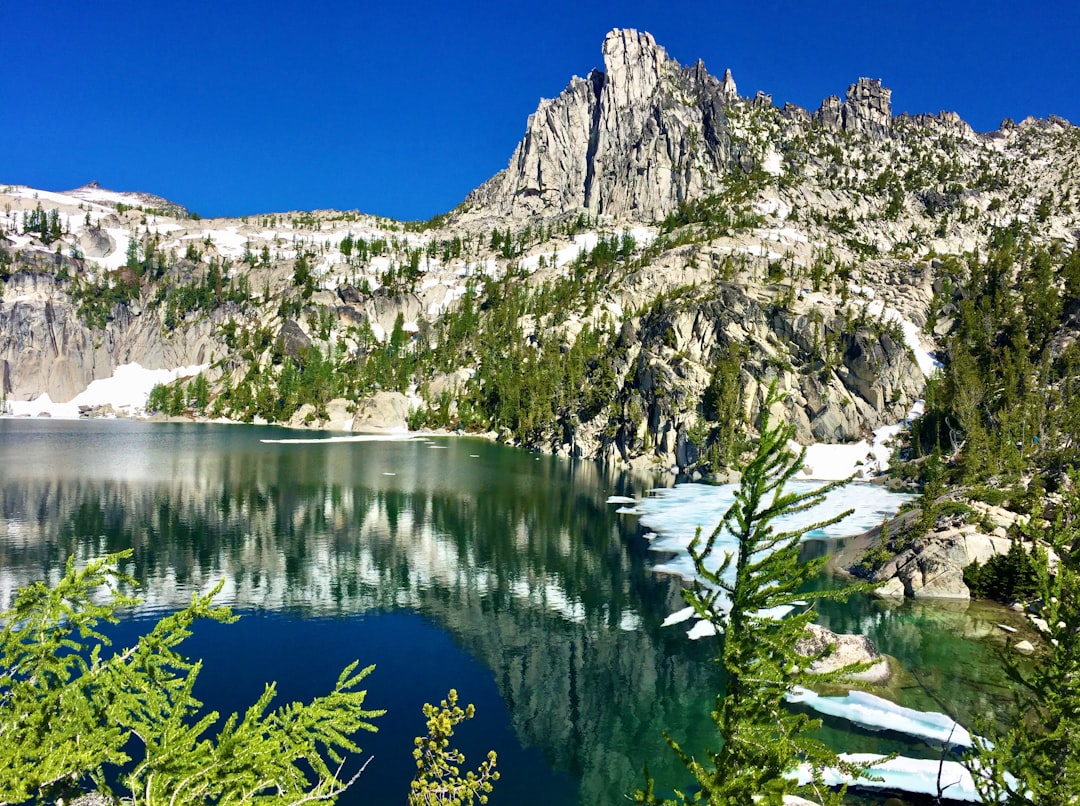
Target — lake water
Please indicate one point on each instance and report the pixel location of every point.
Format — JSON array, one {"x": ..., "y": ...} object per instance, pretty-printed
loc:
[{"x": 448, "y": 563}]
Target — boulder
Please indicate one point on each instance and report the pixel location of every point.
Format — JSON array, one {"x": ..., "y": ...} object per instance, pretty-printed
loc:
[
  {"x": 891, "y": 589},
  {"x": 292, "y": 340},
  {"x": 932, "y": 567},
  {"x": 845, "y": 650},
  {"x": 385, "y": 411},
  {"x": 96, "y": 242}
]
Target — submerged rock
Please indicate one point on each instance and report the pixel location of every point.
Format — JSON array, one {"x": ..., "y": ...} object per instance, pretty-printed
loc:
[{"x": 845, "y": 650}]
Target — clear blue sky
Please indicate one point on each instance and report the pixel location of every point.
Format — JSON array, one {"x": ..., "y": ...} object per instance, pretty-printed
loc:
[{"x": 400, "y": 107}]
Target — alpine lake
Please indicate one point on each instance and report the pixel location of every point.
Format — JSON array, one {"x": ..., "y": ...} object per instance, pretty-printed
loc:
[{"x": 448, "y": 563}]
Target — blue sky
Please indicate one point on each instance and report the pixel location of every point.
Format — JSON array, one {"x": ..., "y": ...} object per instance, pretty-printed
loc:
[{"x": 400, "y": 108}]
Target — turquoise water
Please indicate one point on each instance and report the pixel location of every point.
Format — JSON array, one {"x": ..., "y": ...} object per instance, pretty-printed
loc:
[{"x": 447, "y": 563}]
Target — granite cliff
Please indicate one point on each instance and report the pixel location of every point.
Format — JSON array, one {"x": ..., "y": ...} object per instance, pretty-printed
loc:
[{"x": 658, "y": 251}]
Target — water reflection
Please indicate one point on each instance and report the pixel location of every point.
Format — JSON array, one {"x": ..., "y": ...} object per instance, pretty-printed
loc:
[{"x": 518, "y": 558}]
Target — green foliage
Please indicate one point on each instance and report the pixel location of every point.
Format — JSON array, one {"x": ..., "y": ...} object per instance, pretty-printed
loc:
[
  {"x": 1006, "y": 401},
  {"x": 183, "y": 299},
  {"x": 158, "y": 398},
  {"x": 97, "y": 301},
  {"x": 719, "y": 214},
  {"x": 763, "y": 743},
  {"x": 72, "y": 714},
  {"x": 722, "y": 404},
  {"x": 1036, "y": 760},
  {"x": 303, "y": 277},
  {"x": 198, "y": 393},
  {"x": 1006, "y": 577},
  {"x": 438, "y": 765},
  {"x": 46, "y": 225}
]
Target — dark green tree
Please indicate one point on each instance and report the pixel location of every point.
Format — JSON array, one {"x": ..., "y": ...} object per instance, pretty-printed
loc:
[
  {"x": 199, "y": 393},
  {"x": 1036, "y": 760}
]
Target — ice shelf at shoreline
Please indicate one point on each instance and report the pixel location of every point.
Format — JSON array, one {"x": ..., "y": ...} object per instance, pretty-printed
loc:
[{"x": 674, "y": 515}]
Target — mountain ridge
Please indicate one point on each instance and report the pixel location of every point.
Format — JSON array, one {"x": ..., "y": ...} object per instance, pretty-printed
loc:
[{"x": 652, "y": 225}]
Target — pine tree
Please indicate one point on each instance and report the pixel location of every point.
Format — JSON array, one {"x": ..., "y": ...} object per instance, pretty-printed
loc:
[
  {"x": 69, "y": 711},
  {"x": 763, "y": 743},
  {"x": 1037, "y": 759},
  {"x": 438, "y": 777}
]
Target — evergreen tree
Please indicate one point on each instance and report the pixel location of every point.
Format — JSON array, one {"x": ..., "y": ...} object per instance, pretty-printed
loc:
[
  {"x": 1037, "y": 759},
  {"x": 763, "y": 743},
  {"x": 69, "y": 711},
  {"x": 438, "y": 777},
  {"x": 199, "y": 393}
]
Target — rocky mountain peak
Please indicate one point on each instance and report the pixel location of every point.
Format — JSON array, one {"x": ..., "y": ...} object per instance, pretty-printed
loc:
[
  {"x": 633, "y": 65},
  {"x": 866, "y": 108},
  {"x": 728, "y": 89},
  {"x": 632, "y": 140}
]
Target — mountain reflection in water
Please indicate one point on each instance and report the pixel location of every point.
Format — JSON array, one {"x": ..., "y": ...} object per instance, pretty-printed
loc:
[{"x": 447, "y": 563}]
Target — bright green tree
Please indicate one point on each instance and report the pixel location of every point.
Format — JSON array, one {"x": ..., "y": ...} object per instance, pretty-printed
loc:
[
  {"x": 199, "y": 393},
  {"x": 763, "y": 743},
  {"x": 438, "y": 777},
  {"x": 71, "y": 711},
  {"x": 1037, "y": 759}
]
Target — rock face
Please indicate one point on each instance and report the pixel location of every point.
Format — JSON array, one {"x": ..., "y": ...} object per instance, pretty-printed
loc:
[
  {"x": 931, "y": 565},
  {"x": 667, "y": 361},
  {"x": 46, "y": 346},
  {"x": 632, "y": 140},
  {"x": 866, "y": 109},
  {"x": 385, "y": 411}
]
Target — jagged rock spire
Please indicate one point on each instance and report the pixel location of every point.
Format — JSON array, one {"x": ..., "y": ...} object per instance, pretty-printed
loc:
[
  {"x": 634, "y": 139},
  {"x": 866, "y": 108},
  {"x": 727, "y": 88}
]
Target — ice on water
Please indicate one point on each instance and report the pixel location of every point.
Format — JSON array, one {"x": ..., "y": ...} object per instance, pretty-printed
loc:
[
  {"x": 923, "y": 776},
  {"x": 874, "y": 713},
  {"x": 675, "y": 514}
]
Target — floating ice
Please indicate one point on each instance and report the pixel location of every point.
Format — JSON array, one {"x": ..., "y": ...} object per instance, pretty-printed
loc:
[
  {"x": 923, "y": 776},
  {"x": 702, "y": 629},
  {"x": 674, "y": 515},
  {"x": 679, "y": 616},
  {"x": 875, "y": 713},
  {"x": 620, "y": 499},
  {"x": 394, "y": 437}
]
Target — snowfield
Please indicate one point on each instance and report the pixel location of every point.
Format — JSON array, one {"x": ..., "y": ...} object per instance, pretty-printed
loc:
[{"x": 126, "y": 391}]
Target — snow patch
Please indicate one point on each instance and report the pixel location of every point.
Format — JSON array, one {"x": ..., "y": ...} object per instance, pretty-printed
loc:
[{"x": 126, "y": 390}]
